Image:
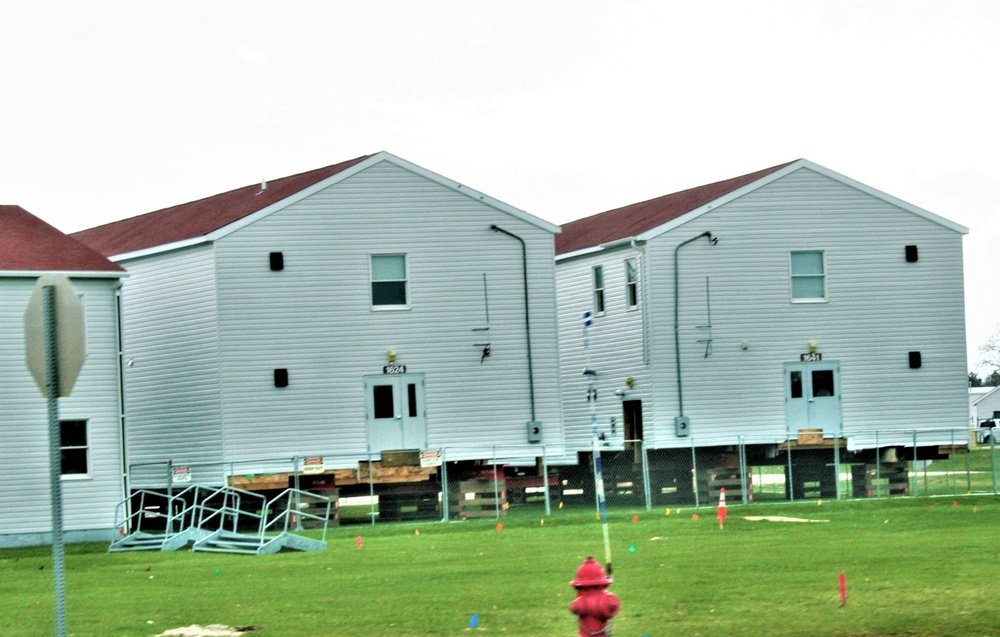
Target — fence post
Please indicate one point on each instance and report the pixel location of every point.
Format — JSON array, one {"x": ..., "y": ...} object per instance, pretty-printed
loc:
[
  {"x": 790, "y": 480},
  {"x": 445, "y": 496},
  {"x": 298, "y": 503},
  {"x": 743, "y": 467},
  {"x": 371, "y": 484},
  {"x": 878, "y": 467},
  {"x": 545, "y": 483},
  {"x": 948, "y": 473},
  {"x": 927, "y": 488},
  {"x": 694, "y": 473},
  {"x": 916, "y": 476},
  {"x": 968, "y": 467},
  {"x": 647, "y": 491},
  {"x": 170, "y": 479},
  {"x": 836, "y": 460},
  {"x": 496, "y": 485},
  {"x": 993, "y": 461}
]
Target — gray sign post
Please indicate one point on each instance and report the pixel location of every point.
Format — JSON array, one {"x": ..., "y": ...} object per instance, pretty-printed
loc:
[{"x": 54, "y": 353}]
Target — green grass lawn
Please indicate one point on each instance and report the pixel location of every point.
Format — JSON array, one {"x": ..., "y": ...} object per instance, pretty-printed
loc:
[{"x": 914, "y": 567}]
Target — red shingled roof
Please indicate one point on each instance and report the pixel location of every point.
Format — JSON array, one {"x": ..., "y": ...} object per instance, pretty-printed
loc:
[
  {"x": 28, "y": 244},
  {"x": 201, "y": 217},
  {"x": 633, "y": 220}
]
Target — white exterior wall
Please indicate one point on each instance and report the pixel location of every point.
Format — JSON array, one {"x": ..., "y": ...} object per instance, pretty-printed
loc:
[
  {"x": 880, "y": 307},
  {"x": 171, "y": 348},
  {"x": 615, "y": 351},
  {"x": 315, "y": 319},
  {"x": 207, "y": 326},
  {"x": 25, "y": 497}
]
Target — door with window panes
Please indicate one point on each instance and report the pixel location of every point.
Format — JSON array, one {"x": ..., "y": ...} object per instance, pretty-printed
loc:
[
  {"x": 812, "y": 397},
  {"x": 394, "y": 411}
]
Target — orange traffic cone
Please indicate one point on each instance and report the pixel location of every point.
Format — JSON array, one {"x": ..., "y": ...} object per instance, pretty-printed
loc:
[{"x": 721, "y": 511}]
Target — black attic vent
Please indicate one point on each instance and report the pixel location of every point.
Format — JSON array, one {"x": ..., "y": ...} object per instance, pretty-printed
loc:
[
  {"x": 278, "y": 261},
  {"x": 911, "y": 254},
  {"x": 914, "y": 360},
  {"x": 281, "y": 378}
]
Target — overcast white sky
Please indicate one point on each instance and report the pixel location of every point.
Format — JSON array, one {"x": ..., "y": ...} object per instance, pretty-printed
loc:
[{"x": 560, "y": 108}]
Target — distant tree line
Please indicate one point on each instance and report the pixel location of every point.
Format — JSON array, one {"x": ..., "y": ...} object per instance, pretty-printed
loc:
[{"x": 989, "y": 381}]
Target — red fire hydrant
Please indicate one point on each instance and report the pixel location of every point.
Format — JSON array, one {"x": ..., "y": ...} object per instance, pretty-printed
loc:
[{"x": 594, "y": 606}]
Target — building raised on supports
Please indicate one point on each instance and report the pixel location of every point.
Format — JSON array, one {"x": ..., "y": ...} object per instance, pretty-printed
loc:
[{"x": 759, "y": 321}]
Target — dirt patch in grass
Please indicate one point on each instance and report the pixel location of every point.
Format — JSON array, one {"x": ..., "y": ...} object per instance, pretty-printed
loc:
[{"x": 212, "y": 630}]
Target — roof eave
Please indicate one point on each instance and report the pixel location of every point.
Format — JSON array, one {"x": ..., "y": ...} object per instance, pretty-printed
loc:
[
  {"x": 160, "y": 249},
  {"x": 70, "y": 274},
  {"x": 582, "y": 252}
]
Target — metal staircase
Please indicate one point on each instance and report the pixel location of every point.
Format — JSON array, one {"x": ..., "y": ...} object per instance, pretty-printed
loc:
[
  {"x": 153, "y": 521},
  {"x": 221, "y": 520}
]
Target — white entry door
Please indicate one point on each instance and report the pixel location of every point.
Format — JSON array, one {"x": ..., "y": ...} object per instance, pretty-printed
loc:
[
  {"x": 394, "y": 411},
  {"x": 812, "y": 397}
]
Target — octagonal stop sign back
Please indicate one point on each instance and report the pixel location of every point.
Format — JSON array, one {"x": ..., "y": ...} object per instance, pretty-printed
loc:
[{"x": 70, "y": 334}]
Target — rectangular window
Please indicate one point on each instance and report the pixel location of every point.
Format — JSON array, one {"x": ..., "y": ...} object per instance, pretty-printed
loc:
[
  {"x": 389, "y": 282},
  {"x": 631, "y": 284},
  {"x": 411, "y": 393},
  {"x": 822, "y": 383},
  {"x": 73, "y": 448},
  {"x": 795, "y": 384},
  {"x": 808, "y": 268},
  {"x": 384, "y": 400},
  {"x": 598, "y": 289}
]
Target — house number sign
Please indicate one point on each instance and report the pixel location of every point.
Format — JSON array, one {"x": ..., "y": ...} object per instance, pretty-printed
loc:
[
  {"x": 394, "y": 369},
  {"x": 813, "y": 357}
]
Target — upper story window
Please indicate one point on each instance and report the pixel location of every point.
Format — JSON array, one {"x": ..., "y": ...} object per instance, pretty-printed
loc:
[
  {"x": 598, "y": 289},
  {"x": 631, "y": 284},
  {"x": 73, "y": 448},
  {"x": 389, "y": 281},
  {"x": 808, "y": 273}
]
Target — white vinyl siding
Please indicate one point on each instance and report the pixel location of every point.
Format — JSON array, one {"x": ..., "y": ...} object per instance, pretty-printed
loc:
[
  {"x": 88, "y": 504},
  {"x": 171, "y": 352},
  {"x": 243, "y": 320},
  {"x": 615, "y": 348},
  {"x": 885, "y": 307}
]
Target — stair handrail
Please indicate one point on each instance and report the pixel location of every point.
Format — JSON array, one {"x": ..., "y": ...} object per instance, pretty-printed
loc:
[
  {"x": 192, "y": 498},
  {"x": 124, "y": 523},
  {"x": 231, "y": 509},
  {"x": 284, "y": 518}
]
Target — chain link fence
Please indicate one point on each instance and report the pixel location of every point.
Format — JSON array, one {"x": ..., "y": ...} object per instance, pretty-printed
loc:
[{"x": 409, "y": 486}]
